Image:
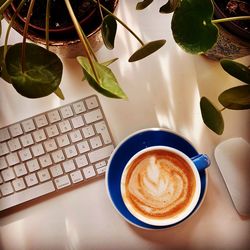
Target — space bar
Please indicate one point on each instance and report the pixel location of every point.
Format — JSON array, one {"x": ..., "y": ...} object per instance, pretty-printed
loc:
[{"x": 26, "y": 195}]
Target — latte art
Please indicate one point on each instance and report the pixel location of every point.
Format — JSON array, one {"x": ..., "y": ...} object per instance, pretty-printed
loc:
[{"x": 159, "y": 184}]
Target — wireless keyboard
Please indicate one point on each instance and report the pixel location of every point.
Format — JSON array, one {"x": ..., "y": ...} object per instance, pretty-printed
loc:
[{"x": 52, "y": 151}]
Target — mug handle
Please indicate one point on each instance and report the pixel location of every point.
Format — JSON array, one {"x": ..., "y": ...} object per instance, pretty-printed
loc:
[{"x": 201, "y": 161}]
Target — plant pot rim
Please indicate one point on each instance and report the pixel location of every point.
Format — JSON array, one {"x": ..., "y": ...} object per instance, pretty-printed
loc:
[
  {"x": 55, "y": 30},
  {"x": 232, "y": 27}
]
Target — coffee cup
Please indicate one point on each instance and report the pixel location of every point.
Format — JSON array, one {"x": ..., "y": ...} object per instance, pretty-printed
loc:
[
  {"x": 161, "y": 185},
  {"x": 133, "y": 145}
]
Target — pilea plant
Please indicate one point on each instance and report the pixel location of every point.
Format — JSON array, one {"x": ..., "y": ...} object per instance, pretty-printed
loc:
[
  {"x": 236, "y": 98},
  {"x": 36, "y": 72},
  {"x": 195, "y": 31}
]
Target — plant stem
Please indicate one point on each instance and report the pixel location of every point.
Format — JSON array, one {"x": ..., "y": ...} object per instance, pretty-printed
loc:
[
  {"x": 82, "y": 38},
  {"x": 9, "y": 27},
  {"x": 231, "y": 19},
  {"x": 100, "y": 8},
  {"x": 5, "y": 6},
  {"x": 47, "y": 24},
  {"x": 122, "y": 23},
  {"x": 25, "y": 31}
]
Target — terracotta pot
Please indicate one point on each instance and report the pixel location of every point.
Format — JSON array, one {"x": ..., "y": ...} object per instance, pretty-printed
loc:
[
  {"x": 233, "y": 41},
  {"x": 67, "y": 44}
]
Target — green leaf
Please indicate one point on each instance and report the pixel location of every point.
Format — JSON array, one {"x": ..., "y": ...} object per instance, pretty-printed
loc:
[
  {"x": 107, "y": 63},
  {"x": 143, "y": 4},
  {"x": 106, "y": 84},
  {"x": 192, "y": 27},
  {"x": 109, "y": 27},
  {"x": 3, "y": 72},
  {"x": 59, "y": 93},
  {"x": 211, "y": 116},
  {"x": 147, "y": 50},
  {"x": 170, "y": 6},
  {"x": 42, "y": 72},
  {"x": 236, "y": 98},
  {"x": 236, "y": 70}
]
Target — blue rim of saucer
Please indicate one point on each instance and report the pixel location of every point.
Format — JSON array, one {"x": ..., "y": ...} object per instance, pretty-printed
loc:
[{"x": 130, "y": 146}]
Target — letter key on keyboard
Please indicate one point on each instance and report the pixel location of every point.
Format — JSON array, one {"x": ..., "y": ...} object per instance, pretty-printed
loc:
[{"x": 52, "y": 151}]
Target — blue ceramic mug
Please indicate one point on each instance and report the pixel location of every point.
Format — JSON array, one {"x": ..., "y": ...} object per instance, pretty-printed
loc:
[{"x": 139, "y": 141}]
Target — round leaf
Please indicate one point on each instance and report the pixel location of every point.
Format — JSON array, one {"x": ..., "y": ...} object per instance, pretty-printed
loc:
[
  {"x": 236, "y": 98},
  {"x": 42, "y": 71},
  {"x": 109, "y": 27},
  {"x": 106, "y": 84},
  {"x": 192, "y": 27},
  {"x": 147, "y": 50},
  {"x": 143, "y": 4},
  {"x": 236, "y": 70},
  {"x": 211, "y": 116}
]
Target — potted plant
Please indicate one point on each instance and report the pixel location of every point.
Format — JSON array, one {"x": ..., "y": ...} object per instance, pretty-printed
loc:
[
  {"x": 36, "y": 72},
  {"x": 195, "y": 31}
]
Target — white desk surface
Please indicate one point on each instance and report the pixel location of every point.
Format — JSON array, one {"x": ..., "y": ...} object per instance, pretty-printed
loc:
[{"x": 164, "y": 91}]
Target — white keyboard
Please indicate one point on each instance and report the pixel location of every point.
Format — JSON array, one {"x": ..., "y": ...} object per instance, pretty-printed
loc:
[{"x": 53, "y": 151}]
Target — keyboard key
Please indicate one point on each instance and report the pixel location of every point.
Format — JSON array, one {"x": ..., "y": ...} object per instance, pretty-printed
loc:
[
  {"x": 43, "y": 175},
  {"x": 79, "y": 107},
  {"x": 62, "y": 182},
  {"x": 28, "y": 125},
  {"x": 76, "y": 176},
  {"x": 58, "y": 156},
  {"x": 14, "y": 144},
  {"x": 39, "y": 135},
  {"x": 16, "y": 130},
  {"x": 75, "y": 136},
  {"x": 88, "y": 131},
  {"x": 12, "y": 159},
  {"x": 69, "y": 166},
  {"x": 52, "y": 131},
  {"x": 20, "y": 170},
  {"x": 33, "y": 165},
  {"x": 83, "y": 147},
  {"x": 41, "y": 121},
  {"x": 66, "y": 112},
  {"x": 63, "y": 140},
  {"x": 93, "y": 116},
  {"x": 4, "y": 149},
  {"x": 45, "y": 160},
  {"x": 6, "y": 189},
  {"x": 95, "y": 142},
  {"x": 64, "y": 126},
  {"x": 101, "y": 170},
  {"x": 4, "y": 134},
  {"x": 50, "y": 145},
  {"x": 81, "y": 161},
  {"x": 100, "y": 164},
  {"x": 37, "y": 150},
  {"x": 31, "y": 180},
  {"x": 77, "y": 122},
  {"x": 26, "y": 140},
  {"x": 56, "y": 170},
  {"x": 25, "y": 154},
  {"x": 101, "y": 153},
  {"x": 88, "y": 172},
  {"x": 102, "y": 129},
  {"x": 54, "y": 116},
  {"x": 8, "y": 174},
  {"x": 92, "y": 102},
  {"x": 70, "y": 151},
  {"x": 26, "y": 195},
  {"x": 18, "y": 184}
]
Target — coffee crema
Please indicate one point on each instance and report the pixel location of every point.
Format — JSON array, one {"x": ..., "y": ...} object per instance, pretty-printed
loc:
[{"x": 159, "y": 184}]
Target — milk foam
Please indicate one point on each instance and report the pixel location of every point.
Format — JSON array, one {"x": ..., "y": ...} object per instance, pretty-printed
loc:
[{"x": 159, "y": 185}]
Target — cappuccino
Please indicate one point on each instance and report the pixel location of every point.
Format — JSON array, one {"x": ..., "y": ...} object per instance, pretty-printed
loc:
[{"x": 159, "y": 184}]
